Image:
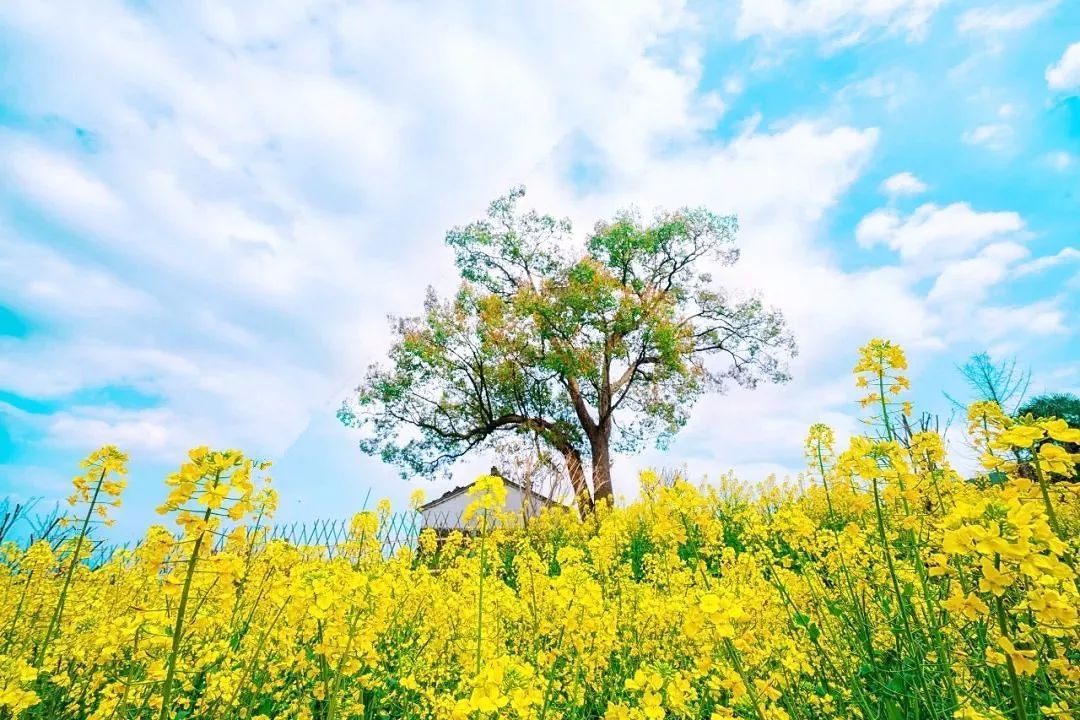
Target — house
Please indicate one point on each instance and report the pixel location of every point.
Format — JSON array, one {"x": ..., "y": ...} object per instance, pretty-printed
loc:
[{"x": 445, "y": 512}]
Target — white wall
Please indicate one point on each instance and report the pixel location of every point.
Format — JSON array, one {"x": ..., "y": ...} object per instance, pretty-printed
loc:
[{"x": 448, "y": 513}]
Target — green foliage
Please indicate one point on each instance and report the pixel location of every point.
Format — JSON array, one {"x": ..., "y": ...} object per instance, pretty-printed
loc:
[
  {"x": 548, "y": 342},
  {"x": 1065, "y": 406},
  {"x": 1001, "y": 382}
]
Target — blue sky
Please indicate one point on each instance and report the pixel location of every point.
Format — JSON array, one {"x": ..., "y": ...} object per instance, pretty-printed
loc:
[{"x": 207, "y": 212}]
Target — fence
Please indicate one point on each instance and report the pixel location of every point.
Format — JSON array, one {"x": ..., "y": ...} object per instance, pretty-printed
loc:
[
  {"x": 396, "y": 531},
  {"x": 23, "y": 524}
]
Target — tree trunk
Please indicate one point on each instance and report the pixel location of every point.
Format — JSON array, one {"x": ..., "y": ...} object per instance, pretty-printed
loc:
[
  {"x": 582, "y": 496},
  {"x": 601, "y": 466}
]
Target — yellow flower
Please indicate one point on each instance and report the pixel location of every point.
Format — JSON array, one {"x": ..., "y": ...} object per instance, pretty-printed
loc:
[
  {"x": 718, "y": 600},
  {"x": 993, "y": 579},
  {"x": 969, "y": 713},
  {"x": 1021, "y": 436},
  {"x": 652, "y": 705},
  {"x": 1059, "y": 430},
  {"x": 971, "y": 606},
  {"x": 1055, "y": 459},
  {"x": 1021, "y": 659},
  {"x": 214, "y": 497}
]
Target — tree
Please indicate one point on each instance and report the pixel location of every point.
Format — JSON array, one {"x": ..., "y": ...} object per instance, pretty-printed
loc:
[
  {"x": 532, "y": 464},
  {"x": 1064, "y": 406},
  {"x": 591, "y": 351},
  {"x": 1000, "y": 382}
]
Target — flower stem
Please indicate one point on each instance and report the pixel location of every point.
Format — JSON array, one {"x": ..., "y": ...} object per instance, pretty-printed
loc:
[
  {"x": 480, "y": 596},
  {"x": 178, "y": 627},
  {"x": 1050, "y": 514},
  {"x": 59, "y": 611},
  {"x": 1014, "y": 681}
]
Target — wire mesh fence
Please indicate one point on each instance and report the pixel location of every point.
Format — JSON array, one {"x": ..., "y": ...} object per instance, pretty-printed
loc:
[
  {"x": 396, "y": 531},
  {"x": 24, "y": 524}
]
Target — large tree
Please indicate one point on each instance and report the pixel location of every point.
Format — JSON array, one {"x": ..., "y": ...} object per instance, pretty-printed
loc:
[
  {"x": 593, "y": 350},
  {"x": 1001, "y": 382},
  {"x": 1064, "y": 406}
]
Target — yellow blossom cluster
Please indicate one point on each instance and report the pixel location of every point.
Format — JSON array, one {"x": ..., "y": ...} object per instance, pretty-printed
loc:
[
  {"x": 99, "y": 488},
  {"x": 880, "y": 585},
  {"x": 879, "y": 370}
]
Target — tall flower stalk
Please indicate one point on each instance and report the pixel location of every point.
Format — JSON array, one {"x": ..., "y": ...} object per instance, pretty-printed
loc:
[
  {"x": 97, "y": 489},
  {"x": 896, "y": 588},
  {"x": 210, "y": 487}
]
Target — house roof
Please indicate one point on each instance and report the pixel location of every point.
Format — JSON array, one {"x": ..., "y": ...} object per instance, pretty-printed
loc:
[{"x": 464, "y": 488}]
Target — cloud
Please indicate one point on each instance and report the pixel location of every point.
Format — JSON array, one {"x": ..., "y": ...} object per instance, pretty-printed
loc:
[
  {"x": 933, "y": 232},
  {"x": 843, "y": 21},
  {"x": 284, "y": 186},
  {"x": 1064, "y": 75},
  {"x": 903, "y": 183},
  {"x": 1044, "y": 317},
  {"x": 264, "y": 189},
  {"x": 142, "y": 432},
  {"x": 1059, "y": 159},
  {"x": 1002, "y": 17},
  {"x": 45, "y": 283},
  {"x": 889, "y": 89},
  {"x": 966, "y": 255},
  {"x": 994, "y": 136},
  {"x": 968, "y": 281},
  {"x": 1048, "y": 261},
  {"x": 264, "y": 192},
  {"x": 60, "y": 186}
]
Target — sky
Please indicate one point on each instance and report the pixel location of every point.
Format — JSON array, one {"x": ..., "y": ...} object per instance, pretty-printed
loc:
[{"x": 208, "y": 210}]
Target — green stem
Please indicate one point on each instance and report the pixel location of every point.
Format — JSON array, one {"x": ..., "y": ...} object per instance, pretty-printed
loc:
[
  {"x": 178, "y": 628},
  {"x": 888, "y": 558},
  {"x": 1014, "y": 681},
  {"x": 824, "y": 481},
  {"x": 480, "y": 596},
  {"x": 884, "y": 407},
  {"x": 334, "y": 701},
  {"x": 59, "y": 611},
  {"x": 18, "y": 612},
  {"x": 733, "y": 654},
  {"x": 1050, "y": 514}
]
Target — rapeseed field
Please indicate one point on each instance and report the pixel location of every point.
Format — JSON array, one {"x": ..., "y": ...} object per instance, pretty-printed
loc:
[{"x": 881, "y": 584}]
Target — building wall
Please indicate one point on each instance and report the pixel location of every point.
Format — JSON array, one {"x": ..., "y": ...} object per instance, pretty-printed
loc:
[{"x": 448, "y": 513}]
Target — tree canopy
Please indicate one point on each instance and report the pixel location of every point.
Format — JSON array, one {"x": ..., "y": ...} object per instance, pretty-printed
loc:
[
  {"x": 1065, "y": 406},
  {"x": 593, "y": 350},
  {"x": 1001, "y": 382}
]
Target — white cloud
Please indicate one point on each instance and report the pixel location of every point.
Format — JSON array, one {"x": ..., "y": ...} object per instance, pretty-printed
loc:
[
  {"x": 1039, "y": 318},
  {"x": 933, "y": 232},
  {"x": 278, "y": 202},
  {"x": 1048, "y": 261},
  {"x": 967, "y": 282},
  {"x": 1007, "y": 110},
  {"x": 1064, "y": 75},
  {"x": 994, "y": 136},
  {"x": 40, "y": 280},
  {"x": 1059, "y": 160},
  {"x": 60, "y": 186},
  {"x": 904, "y": 183},
  {"x": 142, "y": 431},
  {"x": 267, "y": 188},
  {"x": 1003, "y": 17},
  {"x": 843, "y": 21}
]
